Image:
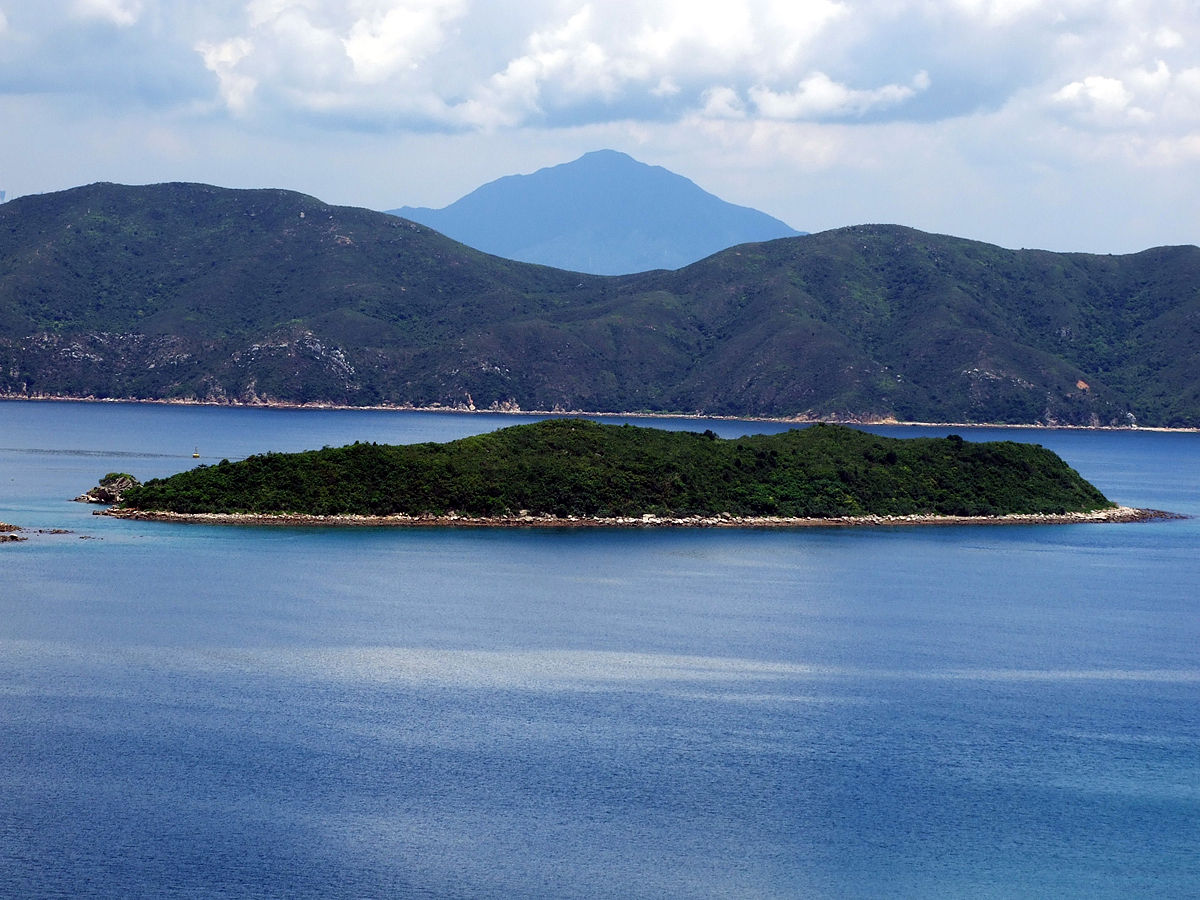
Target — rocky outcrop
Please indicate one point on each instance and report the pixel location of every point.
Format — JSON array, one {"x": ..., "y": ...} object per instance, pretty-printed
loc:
[
  {"x": 8, "y": 533},
  {"x": 110, "y": 489}
]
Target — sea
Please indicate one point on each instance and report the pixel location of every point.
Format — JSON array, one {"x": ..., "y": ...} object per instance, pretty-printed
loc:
[{"x": 884, "y": 712}]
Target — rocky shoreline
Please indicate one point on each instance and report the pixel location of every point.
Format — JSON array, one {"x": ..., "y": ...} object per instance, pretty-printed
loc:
[
  {"x": 514, "y": 410},
  {"x": 12, "y": 534},
  {"x": 1114, "y": 514}
]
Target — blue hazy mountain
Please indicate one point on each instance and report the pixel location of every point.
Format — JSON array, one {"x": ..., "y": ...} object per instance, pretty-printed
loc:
[{"x": 605, "y": 213}]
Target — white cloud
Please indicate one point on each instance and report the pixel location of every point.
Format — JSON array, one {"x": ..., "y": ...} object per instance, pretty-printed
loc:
[
  {"x": 567, "y": 60},
  {"x": 367, "y": 60},
  {"x": 720, "y": 30},
  {"x": 819, "y": 96},
  {"x": 223, "y": 59},
  {"x": 793, "y": 27},
  {"x": 1137, "y": 99},
  {"x": 562, "y": 59},
  {"x": 1103, "y": 99},
  {"x": 723, "y": 103},
  {"x": 1189, "y": 83},
  {"x": 451, "y": 64},
  {"x": 1151, "y": 81},
  {"x": 117, "y": 12},
  {"x": 391, "y": 39},
  {"x": 666, "y": 87},
  {"x": 1168, "y": 38},
  {"x": 1001, "y": 12}
]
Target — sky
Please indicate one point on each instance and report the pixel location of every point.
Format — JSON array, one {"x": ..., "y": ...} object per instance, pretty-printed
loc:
[{"x": 1056, "y": 124}]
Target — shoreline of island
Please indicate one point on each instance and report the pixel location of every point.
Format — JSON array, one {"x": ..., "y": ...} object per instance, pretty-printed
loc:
[
  {"x": 1121, "y": 514},
  {"x": 578, "y": 413}
]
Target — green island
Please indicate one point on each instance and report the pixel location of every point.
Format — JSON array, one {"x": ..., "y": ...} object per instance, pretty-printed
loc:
[{"x": 577, "y": 470}]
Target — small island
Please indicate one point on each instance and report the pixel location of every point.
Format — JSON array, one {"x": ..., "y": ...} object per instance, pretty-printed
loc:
[{"x": 579, "y": 472}]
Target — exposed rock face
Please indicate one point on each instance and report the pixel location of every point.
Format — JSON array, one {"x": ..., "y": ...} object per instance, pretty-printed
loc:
[{"x": 110, "y": 489}]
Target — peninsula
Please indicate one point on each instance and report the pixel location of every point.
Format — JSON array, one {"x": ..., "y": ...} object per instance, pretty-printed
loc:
[{"x": 576, "y": 471}]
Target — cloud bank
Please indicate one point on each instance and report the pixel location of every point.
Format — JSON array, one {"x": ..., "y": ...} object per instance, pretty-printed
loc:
[
  {"x": 465, "y": 64},
  {"x": 996, "y": 89}
]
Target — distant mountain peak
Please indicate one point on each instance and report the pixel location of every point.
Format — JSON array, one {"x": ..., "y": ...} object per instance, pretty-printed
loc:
[
  {"x": 607, "y": 153},
  {"x": 606, "y": 157},
  {"x": 605, "y": 213}
]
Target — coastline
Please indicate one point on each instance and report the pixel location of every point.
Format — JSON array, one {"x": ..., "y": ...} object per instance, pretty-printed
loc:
[
  {"x": 1113, "y": 514},
  {"x": 517, "y": 411}
]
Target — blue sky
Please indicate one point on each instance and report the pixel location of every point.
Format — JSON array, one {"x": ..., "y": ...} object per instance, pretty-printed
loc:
[{"x": 1064, "y": 124}]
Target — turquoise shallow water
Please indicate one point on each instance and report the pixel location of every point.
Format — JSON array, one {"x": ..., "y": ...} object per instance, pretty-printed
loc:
[{"x": 939, "y": 712}]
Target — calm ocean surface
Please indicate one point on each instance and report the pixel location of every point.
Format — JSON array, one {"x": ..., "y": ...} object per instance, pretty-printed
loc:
[{"x": 198, "y": 711}]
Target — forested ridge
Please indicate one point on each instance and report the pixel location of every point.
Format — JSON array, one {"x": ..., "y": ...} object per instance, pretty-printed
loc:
[{"x": 191, "y": 292}]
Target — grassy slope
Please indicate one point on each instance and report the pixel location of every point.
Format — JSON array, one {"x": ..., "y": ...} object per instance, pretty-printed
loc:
[
  {"x": 577, "y": 467},
  {"x": 189, "y": 291}
]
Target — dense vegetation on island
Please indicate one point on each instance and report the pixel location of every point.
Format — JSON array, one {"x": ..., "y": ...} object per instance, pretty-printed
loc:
[
  {"x": 190, "y": 292},
  {"x": 575, "y": 467}
]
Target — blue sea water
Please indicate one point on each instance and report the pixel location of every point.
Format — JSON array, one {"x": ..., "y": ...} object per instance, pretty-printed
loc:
[{"x": 205, "y": 711}]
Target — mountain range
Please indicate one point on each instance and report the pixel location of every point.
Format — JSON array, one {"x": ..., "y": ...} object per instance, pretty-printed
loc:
[
  {"x": 192, "y": 292},
  {"x": 605, "y": 213}
]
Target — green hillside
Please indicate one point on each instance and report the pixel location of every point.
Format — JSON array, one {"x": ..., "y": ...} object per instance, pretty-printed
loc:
[
  {"x": 184, "y": 291},
  {"x": 879, "y": 320},
  {"x": 577, "y": 467}
]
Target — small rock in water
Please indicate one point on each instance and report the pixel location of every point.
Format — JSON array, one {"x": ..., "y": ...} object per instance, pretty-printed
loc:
[{"x": 8, "y": 533}]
